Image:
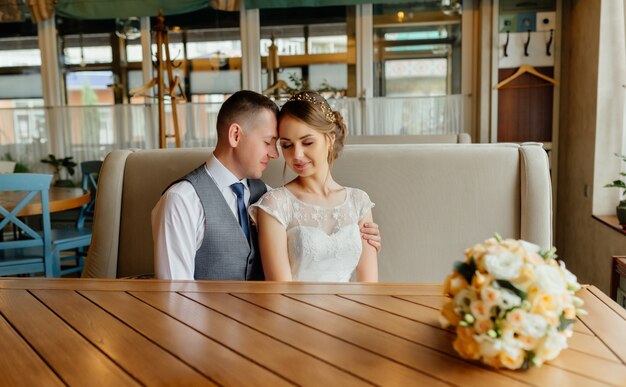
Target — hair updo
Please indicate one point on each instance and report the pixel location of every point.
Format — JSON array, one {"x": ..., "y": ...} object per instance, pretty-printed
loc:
[{"x": 313, "y": 109}]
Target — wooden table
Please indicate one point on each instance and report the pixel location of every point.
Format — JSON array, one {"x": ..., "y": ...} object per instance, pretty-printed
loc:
[
  {"x": 129, "y": 332},
  {"x": 60, "y": 199}
]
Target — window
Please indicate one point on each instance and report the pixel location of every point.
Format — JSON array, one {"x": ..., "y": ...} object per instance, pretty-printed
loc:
[
  {"x": 87, "y": 49},
  {"x": 312, "y": 51},
  {"x": 86, "y": 88},
  {"x": 417, "y": 50}
]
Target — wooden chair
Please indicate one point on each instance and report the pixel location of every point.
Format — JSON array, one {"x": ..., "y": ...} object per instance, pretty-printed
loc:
[
  {"x": 37, "y": 251},
  {"x": 32, "y": 253}
]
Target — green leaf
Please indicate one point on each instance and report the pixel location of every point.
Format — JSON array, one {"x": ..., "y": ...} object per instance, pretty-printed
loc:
[
  {"x": 465, "y": 269},
  {"x": 616, "y": 184},
  {"x": 528, "y": 360},
  {"x": 548, "y": 254},
  {"x": 507, "y": 285},
  {"x": 564, "y": 323},
  {"x": 498, "y": 237}
]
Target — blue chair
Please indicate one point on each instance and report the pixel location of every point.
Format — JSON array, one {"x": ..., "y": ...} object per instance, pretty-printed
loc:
[
  {"x": 37, "y": 251},
  {"x": 32, "y": 253},
  {"x": 90, "y": 170},
  {"x": 69, "y": 239}
]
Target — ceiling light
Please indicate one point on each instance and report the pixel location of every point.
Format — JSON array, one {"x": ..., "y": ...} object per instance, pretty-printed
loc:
[
  {"x": 128, "y": 28},
  {"x": 451, "y": 7}
]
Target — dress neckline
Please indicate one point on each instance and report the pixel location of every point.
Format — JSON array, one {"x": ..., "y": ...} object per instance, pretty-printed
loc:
[{"x": 316, "y": 205}]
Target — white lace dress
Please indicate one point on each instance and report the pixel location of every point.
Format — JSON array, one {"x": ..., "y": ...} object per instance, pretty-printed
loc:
[{"x": 323, "y": 243}]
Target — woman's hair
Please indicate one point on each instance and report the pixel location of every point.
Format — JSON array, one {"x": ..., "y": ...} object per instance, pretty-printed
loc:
[{"x": 312, "y": 109}]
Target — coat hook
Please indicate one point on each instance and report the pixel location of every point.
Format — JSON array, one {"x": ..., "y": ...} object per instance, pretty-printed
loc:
[
  {"x": 506, "y": 44},
  {"x": 527, "y": 44},
  {"x": 549, "y": 44}
]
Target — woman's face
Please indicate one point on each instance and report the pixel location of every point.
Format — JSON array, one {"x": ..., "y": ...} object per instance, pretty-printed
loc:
[{"x": 305, "y": 149}]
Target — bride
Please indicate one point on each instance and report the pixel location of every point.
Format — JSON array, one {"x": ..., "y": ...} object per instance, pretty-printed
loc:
[{"x": 309, "y": 228}]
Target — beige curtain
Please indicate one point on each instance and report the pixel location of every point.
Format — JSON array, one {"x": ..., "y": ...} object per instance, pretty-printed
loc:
[{"x": 41, "y": 9}]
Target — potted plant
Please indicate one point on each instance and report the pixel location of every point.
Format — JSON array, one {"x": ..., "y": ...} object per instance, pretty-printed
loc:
[
  {"x": 621, "y": 207},
  {"x": 19, "y": 167},
  {"x": 59, "y": 165}
]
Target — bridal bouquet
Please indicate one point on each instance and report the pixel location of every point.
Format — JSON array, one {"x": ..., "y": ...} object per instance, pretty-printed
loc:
[{"x": 512, "y": 305}]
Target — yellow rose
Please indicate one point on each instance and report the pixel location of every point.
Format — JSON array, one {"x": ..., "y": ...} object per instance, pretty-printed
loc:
[
  {"x": 489, "y": 295},
  {"x": 526, "y": 342},
  {"x": 454, "y": 283},
  {"x": 483, "y": 326},
  {"x": 516, "y": 317},
  {"x": 479, "y": 310},
  {"x": 526, "y": 277},
  {"x": 480, "y": 280},
  {"x": 533, "y": 258},
  {"x": 448, "y": 313},
  {"x": 514, "y": 246},
  {"x": 544, "y": 303},
  {"x": 512, "y": 359},
  {"x": 465, "y": 344},
  {"x": 492, "y": 361},
  {"x": 477, "y": 252}
]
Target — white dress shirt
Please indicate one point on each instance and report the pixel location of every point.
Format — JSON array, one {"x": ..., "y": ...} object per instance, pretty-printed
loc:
[{"x": 178, "y": 222}]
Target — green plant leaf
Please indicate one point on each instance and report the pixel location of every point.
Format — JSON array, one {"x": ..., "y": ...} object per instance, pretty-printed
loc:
[
  {"x": 507, "y": 285},
  {"x": 564, "y": 323},
  {"x": 465, "y": 269}
]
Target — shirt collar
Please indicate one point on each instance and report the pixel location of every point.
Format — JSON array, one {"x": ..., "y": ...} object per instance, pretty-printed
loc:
[{"x": 221, "y": 175}]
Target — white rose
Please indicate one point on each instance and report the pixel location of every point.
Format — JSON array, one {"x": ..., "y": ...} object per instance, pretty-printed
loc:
[
  {"x": 489, "y": 347},
  {"x": 530, "y": 247},
  {"x": 570, "y": 278},
  {"x": 549, "y": 279},
  {"x": 534, "y": 325},
  {"x": 464, "y": 299},
  {"x": 508, "y": 299},
  {"x": 553, "y": 345},
  {"x": 504, "y": 265}
]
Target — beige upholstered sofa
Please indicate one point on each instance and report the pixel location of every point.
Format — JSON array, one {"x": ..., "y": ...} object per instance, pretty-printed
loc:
[
  {"x": 461, "y": 138},
  {"x": 432, "y": 202}
]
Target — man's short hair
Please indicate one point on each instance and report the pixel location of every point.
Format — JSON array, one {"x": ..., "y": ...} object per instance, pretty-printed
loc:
[{"x": 241, "y": 108}]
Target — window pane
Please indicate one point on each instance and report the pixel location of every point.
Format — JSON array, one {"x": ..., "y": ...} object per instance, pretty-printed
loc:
[
  {"x": 312, "y": 50},
  {"x": 20, "y": 86},
  {"x": 417, "y": 50},
  {"x": 416, "y": 77},
  {"x": 86, "y": 88},
  {"x": 86, "y": 49},
  {"x": 21, "y": 51}
]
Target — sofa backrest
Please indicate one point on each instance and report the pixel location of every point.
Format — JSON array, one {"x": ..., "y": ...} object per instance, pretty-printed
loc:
[
  {"x": 432, "y": 202},
  {"x": 461, "y": 138}
]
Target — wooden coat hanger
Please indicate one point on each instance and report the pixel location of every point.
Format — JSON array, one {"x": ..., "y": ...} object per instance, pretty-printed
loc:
[
  {"x": 526, "y": 69},
  {"x": 279, "y": 86}
]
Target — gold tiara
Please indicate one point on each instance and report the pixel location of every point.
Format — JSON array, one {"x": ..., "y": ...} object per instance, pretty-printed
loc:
[{"x": 304, "y": 96}]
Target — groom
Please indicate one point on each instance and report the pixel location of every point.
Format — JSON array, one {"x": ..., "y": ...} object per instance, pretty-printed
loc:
[{"x": 200, "y": 225}]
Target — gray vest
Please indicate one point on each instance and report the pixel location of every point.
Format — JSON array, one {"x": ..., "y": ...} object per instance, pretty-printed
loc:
[{"x": 225, "y": 253}]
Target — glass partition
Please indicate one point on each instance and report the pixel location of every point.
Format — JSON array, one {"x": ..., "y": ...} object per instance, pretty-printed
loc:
[
  {"x": 313, "y": 51},
  {"x": 417, "y": 50}
]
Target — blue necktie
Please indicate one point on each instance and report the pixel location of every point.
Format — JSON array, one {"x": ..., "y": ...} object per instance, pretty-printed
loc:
[{"x": 238, "y": 189}]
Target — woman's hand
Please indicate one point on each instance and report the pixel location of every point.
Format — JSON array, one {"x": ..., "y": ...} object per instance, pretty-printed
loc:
[{"x": 371, "y": 233}]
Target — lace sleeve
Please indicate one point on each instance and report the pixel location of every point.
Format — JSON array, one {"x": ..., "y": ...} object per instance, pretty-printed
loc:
[
  {"x": 362, "y": 203},
  {"x": 274, "y": 203}
]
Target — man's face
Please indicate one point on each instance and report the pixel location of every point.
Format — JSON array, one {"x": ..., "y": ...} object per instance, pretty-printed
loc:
[{"x": 257, "y": 145}]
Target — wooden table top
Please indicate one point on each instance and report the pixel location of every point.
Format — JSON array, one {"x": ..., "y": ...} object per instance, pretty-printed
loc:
[
  {"x": 60, "y": 199},
  {"x": 130, "y": 332}
]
